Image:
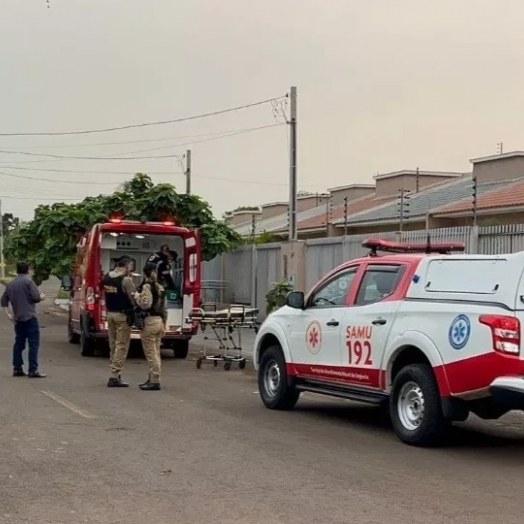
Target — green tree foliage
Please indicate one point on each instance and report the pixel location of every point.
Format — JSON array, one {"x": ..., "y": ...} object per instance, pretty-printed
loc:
[
  {"x": 263, "y": 238},
  {"x": 49, "y": 241},
  {"x": 9, "y": 223},
  {"x": 227, "y": 214},
  {"x": 277, "y": 294}
]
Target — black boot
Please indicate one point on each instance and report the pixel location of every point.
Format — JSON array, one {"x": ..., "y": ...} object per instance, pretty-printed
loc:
[
  {"x": 150, "y": 387},
  {"x": 19, "y": 373},
  {"x": 145, "y": 383},
  {"x": 116, "y": 383}
]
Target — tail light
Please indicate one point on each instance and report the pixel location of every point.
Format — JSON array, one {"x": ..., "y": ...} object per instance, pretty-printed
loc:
[
  {"x": 103, "y": 311},
  {"x": 505, "y": 332},
  {"x": 90, "y": 299}
]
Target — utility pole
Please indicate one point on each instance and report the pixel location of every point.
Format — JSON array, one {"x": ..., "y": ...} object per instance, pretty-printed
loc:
[
  {"x": 293, "y": 166},
  {"x": 403, "y": 206},
  {"x": 253, "y": 228},
  {"x": 475, "y": 196},
  {"x": 346, "y": 216},
  {"x": 401, "y": 212},
  {"x": 500, "y": 148},
  {"x": 188, "y": 172},
  {"x": 2, "y": 261},
  {"x": 417, "y": 181}
]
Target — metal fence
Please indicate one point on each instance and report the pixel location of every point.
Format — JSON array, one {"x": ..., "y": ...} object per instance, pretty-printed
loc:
[
  {"x": 267, "y": 271},
  {"x": 247, "y": 273}
]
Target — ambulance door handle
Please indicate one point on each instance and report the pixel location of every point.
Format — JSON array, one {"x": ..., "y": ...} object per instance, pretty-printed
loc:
[
  {"x": 379, "y": 322},
  {"x": 333, "y": 323}
]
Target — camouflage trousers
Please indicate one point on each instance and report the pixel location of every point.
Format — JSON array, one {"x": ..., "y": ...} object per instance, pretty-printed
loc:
[
  {"x": 151, "y": 337},
  {"x": 119, "y": 339}
]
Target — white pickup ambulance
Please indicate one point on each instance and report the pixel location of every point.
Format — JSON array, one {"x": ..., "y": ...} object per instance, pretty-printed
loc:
[{"x": 434, "y": 336}]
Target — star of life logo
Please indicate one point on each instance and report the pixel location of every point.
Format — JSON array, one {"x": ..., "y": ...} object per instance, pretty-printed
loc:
[{"x": 314, "y": 337}]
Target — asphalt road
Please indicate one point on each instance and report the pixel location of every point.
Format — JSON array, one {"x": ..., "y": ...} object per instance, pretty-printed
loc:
[{"x": 205, "y": 450}]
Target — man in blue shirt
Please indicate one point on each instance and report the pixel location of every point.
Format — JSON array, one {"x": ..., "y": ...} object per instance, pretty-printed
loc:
[{"x": 23, "y": 295}]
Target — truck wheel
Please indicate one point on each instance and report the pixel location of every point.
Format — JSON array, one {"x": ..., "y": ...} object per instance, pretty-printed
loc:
[
  {"x": 73, "y": 337},
  {"x": 415, "y": 407},
  {"x": 181, "y": 349},
  {"x": 87, "y": 345},
  {"x": 273, "y": 386}
]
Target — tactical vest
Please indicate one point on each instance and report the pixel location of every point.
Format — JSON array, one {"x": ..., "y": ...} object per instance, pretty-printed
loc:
[
  {"x": 155, "y": 309},
  {"x": 117, "y": 300}
]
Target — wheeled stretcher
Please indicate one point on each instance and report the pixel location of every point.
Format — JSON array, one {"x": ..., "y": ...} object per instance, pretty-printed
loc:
[{"x": 226, "y": 326}]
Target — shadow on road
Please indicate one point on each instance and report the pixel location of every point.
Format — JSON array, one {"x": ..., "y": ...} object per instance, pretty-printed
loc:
[{"x": 496, "y": 438}]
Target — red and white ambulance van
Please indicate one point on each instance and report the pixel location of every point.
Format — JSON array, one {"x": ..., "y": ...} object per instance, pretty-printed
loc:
[{"x": 97, "y": 253}]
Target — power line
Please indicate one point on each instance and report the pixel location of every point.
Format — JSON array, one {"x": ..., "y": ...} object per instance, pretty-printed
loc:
[
  {"x": 147, "y": 124},
  {"x": 148, "y": 140},
  {"x": 232, "y": 133},
  {"x": 59, "y": 181},
  {"x": 128, "y": 173},
  {"x": 42, "y": 191},
  {"x": 40, "y": 199},
  {"x": 92, "y": 183},
  {"x": 65, "y": 157},
  {"x": 109, "y": 157}
]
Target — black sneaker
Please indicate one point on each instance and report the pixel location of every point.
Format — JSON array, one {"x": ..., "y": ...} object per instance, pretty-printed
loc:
[
  {"x": 150, "y": 387},
  {"x": 19, "y": 373},
  {"x": 116, "y": 383},
  {"x": 36, "y": 374}
]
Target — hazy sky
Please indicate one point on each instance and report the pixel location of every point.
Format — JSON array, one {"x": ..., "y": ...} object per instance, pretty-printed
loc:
[{"x": 383, "y": 85}]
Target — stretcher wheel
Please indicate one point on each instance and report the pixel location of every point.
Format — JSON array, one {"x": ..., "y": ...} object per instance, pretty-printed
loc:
[
  {"x": 198, "y": 364},
  {"x": 227, "y": 366},
  {"x": 242, "y": 364},
  {"x": 215, "y": 363}
]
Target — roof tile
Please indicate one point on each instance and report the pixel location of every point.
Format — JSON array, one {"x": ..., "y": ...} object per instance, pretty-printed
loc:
[
  {"x": 509, "y": 196},
  {"x": 426, "y": 200},
  {"x": 336, "y": 213}
]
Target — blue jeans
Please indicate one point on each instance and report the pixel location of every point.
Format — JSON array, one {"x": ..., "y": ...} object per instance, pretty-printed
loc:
[{"x": 27, "y": 331}]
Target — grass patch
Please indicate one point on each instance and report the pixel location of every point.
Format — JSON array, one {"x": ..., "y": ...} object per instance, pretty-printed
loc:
[
  {"x": 61, "y": 294},
  {"x": 5, "y": 280}
]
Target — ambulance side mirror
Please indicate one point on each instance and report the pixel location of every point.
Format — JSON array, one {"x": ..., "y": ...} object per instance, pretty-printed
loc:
[
  {"x": 67, "y": 283},
  {"x": 295, "y": 300}
]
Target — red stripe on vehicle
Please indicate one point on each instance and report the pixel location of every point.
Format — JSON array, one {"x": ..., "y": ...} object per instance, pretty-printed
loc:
[
  {"x": 470, "y": 374},
  {"x": 336, "y": 374},
  {"x": 480, "y": 371}
]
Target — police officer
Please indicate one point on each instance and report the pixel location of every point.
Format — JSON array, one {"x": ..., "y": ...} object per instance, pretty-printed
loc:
[
  {"x": 119, "y": 290},
  {"x": 151, "y": 299},
  {"x": 159, "y": 256},
  {"x": 163, "y": 259}
]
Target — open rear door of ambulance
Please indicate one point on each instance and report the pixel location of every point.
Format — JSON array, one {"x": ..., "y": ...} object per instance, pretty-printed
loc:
[{"x": 192, "y": 277}]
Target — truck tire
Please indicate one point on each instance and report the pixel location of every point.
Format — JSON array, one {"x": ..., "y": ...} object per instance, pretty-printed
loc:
[
  {"x": 87, "y": 344},
  {"x": 416, "y": 408},
  {"x": 273, "y": 385},
  {"x": 180, "y": 348}
]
